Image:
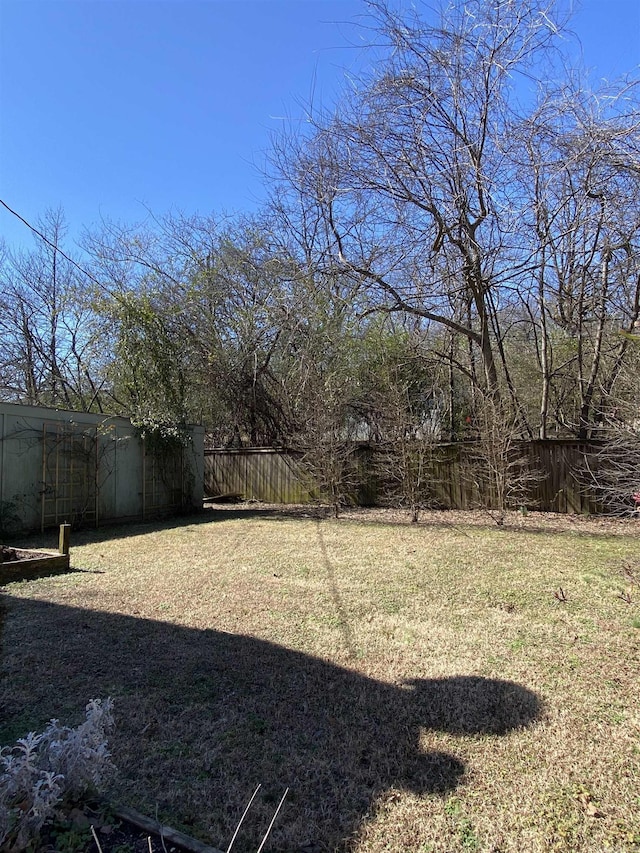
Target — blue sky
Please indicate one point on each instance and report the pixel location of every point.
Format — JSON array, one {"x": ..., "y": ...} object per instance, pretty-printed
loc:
[{"x": 111, "y": 106}]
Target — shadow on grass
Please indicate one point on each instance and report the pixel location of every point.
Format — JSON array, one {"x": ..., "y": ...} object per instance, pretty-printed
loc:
[
  {"x": 108, "y": 532},
  {"x": 34, "y": 574},
  {"x": 208, "y": 515},
  {"x": 433, "y": 520},
  {"x": 204, "y": 716}
]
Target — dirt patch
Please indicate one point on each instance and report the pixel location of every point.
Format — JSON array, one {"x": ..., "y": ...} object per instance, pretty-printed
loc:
[{"x": 12, "y": 555}]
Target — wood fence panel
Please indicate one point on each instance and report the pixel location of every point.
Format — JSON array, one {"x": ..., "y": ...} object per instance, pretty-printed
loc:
[
  {"x": 559, "y": 482},
  {"x": 264, "y": 474},
  {"x": 562, "y": 484}
]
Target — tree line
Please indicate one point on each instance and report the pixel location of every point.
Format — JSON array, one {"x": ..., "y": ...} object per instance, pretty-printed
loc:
[{"x": 450, "y": 252}]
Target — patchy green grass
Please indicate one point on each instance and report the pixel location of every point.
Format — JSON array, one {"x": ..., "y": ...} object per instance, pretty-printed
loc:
[{"x": 446, "y": 686}]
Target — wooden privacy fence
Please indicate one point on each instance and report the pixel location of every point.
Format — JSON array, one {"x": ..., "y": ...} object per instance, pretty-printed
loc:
[
  {"x": 554, "y": 477},
  {"x": 559, "y": 483},
  {"x": 257, "y": 473}
]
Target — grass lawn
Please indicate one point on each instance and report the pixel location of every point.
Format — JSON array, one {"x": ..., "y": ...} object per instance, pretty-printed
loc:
[{"x": 446, "y": 686}]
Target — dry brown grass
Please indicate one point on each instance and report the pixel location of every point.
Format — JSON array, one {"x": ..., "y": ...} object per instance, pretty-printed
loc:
[{"x": 418, "y": 687}]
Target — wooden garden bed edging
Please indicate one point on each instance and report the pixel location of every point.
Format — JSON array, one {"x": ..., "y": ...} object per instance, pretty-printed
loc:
[
  {"x": 32, "y": 562},
  {"x": 154, "y": 827}
]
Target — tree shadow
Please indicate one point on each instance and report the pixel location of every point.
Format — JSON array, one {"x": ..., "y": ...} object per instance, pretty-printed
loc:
[
  {"x": 445, "y": 519},
  {"x": 123, "y": 530},
  {"x": 204, "y": 716}
]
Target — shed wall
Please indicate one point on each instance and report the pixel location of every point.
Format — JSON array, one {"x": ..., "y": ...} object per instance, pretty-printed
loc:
[{"x": 60, "y": 466}]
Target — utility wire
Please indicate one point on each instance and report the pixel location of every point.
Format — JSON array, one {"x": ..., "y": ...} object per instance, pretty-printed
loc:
[{"x": 57, "y": 248}]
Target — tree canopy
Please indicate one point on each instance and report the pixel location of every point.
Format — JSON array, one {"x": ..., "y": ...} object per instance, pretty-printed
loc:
[{"x": 460, "y": 235}]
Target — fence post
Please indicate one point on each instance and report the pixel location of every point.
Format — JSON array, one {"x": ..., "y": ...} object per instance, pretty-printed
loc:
[{"x": 63, "y": 541}]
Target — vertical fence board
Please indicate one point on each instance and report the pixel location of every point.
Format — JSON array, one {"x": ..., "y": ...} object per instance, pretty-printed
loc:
[
  {"x": 273, "y": 476},
  {"x": 278, "y": 476}
]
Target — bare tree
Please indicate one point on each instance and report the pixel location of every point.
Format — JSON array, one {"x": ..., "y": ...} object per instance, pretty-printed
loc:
[
  {"x": 328, "y": 450},
  {"x": 408, "y": 179},
  {"x": 584, "y": 227},
  {"x": 53, "y": 341},
  {"x": 496, "y": 468},
  {"x": 612, "y": 467},
  {"x": 405, "y": 405},
  {"x": 322, "y": 386},
  {"x": 467, "y": 184}
]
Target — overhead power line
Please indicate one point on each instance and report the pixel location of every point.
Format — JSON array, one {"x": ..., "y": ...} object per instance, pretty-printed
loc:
[{"x": 56, "y": 248}]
